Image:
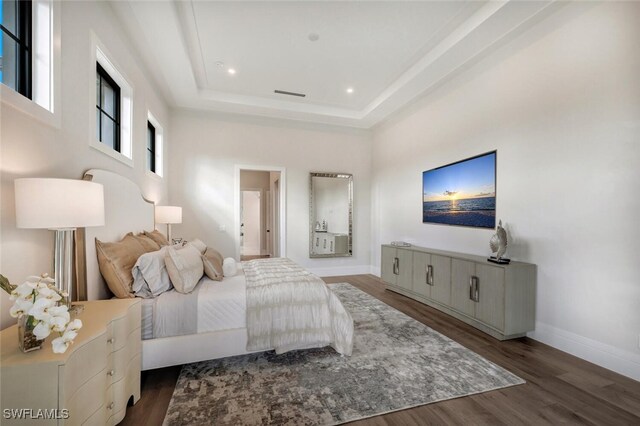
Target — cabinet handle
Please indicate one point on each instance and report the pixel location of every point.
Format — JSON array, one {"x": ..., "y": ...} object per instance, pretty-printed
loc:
[
  {"x": 396, "y": 266},
  {"x": 476, "y": 288},
  {"x": 324, "y": 243},
  {"x": 331, "y": 249},
  {"x": 110, "y": 406},
  {"x": 317, "y": 241},
  {"x": 111, "y": 373},
  {"x": 110, "y": 341},
  {"x": 430, "y": 275}
]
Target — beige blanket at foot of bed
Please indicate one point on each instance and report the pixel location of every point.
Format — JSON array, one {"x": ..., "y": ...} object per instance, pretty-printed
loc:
[{"x": 290, "y": 308}]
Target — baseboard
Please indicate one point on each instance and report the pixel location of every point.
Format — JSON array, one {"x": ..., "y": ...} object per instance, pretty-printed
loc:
[
  {"x": 375, "y": 270},
  {"x": 340, "y": 270},
  {"x": 602, "y": 354}
]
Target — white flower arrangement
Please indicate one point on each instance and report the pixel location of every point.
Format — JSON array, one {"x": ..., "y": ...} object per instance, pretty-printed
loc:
[{"x": 37, "y": 297}]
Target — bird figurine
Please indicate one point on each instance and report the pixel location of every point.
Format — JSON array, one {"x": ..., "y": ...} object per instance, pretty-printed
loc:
[{"x": 498, "y": 244}]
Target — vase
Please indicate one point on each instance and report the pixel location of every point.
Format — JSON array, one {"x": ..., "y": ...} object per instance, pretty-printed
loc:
[{"x": 26, "y": 339}]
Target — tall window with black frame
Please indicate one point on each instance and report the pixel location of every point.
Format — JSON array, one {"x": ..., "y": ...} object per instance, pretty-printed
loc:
[
  {"x": 151, "y": 147},
  {"x": 15, "y": 45},
  {"x": 107, "y": 109}
]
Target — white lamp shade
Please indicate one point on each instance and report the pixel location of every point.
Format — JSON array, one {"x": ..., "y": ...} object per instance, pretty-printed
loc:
[
  {"x": 168, "y": 214},
  {"x": 58, "y": 203}
]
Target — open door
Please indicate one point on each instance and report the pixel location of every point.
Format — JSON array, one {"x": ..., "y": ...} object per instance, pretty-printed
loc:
[{"x": 250, "y": 223}]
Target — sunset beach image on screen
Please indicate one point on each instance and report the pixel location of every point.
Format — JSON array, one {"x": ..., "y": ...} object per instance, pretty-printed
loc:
[{"x": 462, "y": 193}]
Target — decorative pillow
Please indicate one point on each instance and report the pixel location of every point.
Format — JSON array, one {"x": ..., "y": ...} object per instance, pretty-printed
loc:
[
  {"x": 116, "y": 260},
  {"x": 148, "y": 244},
  {"x": 158, "y": 237},
  {"x": 212, "y": 261},
  {"x": 202, "y": 247},
  {"x": 150, "y": 276},
  {"x": 229, "y": 267},
  {"x": 185, "y": 267}
]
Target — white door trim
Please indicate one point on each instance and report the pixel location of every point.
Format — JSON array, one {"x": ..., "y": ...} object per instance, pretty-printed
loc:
[{"x": 283, "y": 204}]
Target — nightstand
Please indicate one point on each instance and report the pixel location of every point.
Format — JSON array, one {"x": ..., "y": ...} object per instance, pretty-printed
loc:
[{"x": 89, "y": 384}]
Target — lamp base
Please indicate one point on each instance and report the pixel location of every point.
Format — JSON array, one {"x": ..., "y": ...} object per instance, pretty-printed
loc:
[{"x": 63, "y": 262}]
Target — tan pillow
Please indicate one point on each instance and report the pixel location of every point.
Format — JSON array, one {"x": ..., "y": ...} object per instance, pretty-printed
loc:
[
  {"x": 148, "y": 244},
  {"x": 184, "y": 266},
  {"x": 116, "y": 260},
  {"x": 212, "y": 261},
  {"x": 158, "y": 237}
]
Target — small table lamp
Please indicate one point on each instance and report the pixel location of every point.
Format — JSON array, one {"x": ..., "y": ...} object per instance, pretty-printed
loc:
[
  {"x": 61, "y": 205},
  {"x": 168, "y": 215}
]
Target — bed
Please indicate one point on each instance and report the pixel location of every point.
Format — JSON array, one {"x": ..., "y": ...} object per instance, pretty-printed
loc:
[{"x": 223, "y": 307}]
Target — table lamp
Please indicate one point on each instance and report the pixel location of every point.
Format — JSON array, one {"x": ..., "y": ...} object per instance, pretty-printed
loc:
[
  {"x": 61, "y": 205},
  {"x": 168, "y": 215}
]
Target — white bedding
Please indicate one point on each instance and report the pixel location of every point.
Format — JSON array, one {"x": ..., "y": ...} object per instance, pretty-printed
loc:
[
  {"x": 221, "y": 305},
  {"x": 290, "y": 308}
]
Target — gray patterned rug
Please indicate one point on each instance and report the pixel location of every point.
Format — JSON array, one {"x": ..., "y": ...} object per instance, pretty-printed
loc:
[{"x": 397, "y": 363}]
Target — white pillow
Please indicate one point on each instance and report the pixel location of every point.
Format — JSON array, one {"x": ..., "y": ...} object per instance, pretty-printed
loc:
[
  {"x": 184, "y": 267},
  {"x": 202, "y": 247},
  {"x": 150, "y": 277},
  {"x": 229, "y": 267}
]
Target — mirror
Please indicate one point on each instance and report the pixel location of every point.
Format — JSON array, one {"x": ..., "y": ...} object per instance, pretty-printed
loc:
[{"x": 331, "y": 214}]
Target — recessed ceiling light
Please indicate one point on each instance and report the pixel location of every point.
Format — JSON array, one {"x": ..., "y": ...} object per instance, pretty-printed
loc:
[
  {"x": 349, "y": 89},
  {"x": 313, "y": 37},
  {"x": 231, "y": 71}
]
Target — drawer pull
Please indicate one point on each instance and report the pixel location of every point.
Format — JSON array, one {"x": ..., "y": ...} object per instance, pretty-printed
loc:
[
  {"x": 430, "y": 275},
  {"x": 110, "y": 406},
  {"x": 396, "y": 266},
  {"x": 111, "y": 373},
  {"x": 111, "y": 341},
  {"x": 474, "y": 289}
]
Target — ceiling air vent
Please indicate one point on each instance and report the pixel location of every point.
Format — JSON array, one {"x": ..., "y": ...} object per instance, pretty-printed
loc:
[{"x": 283, "y": 92}]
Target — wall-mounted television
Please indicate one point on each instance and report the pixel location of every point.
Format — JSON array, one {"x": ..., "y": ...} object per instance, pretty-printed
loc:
[{"x": 461, "y": 193}]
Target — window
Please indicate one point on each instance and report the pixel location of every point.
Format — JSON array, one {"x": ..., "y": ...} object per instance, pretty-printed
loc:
[
  {"x": 151, "y": 147},
  {"x": 15, "y": 45},
  {"x": 111, "y": 130},
  {"x": 107, "y": 109},
  {"x": 155, "y": 147}
]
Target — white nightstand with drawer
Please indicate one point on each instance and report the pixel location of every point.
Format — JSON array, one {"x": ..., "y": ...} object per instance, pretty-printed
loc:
[{"x": 92, "y": 381}]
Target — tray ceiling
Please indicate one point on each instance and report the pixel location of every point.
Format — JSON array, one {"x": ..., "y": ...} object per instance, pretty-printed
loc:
[{"x": 355, "y": 62}]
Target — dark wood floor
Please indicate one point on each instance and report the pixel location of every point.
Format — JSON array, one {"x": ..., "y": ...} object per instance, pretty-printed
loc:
[{"x": 560, "y": 388}]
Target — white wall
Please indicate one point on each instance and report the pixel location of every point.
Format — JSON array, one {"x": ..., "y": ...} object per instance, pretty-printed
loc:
[
  {"x": 207, "y": 147},
  {"x": 30, "y": 148},
  {"x": 561, "y": 104}
]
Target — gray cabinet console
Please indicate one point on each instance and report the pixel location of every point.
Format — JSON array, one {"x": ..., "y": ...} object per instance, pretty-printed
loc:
[{"x": 497, "y": 299}]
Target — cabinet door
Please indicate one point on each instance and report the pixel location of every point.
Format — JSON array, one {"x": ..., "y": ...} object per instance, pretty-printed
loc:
[
  {"x": 324, "y": 244},
  {"x": 420, "y": 262},
  {"x": 441, "y": 289},
  {"x": 405, "y": 266},
  {"x": 386, "y": 265},
  {"x": 490, "y": 305},
  {"x": 462, "y": 271}
]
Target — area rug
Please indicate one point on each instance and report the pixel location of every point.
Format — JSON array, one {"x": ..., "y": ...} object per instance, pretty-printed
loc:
[{"x": 397, "y": 363}]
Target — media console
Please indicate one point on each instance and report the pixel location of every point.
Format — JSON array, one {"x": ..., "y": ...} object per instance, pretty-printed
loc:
[{"x": 497, "y": 299}]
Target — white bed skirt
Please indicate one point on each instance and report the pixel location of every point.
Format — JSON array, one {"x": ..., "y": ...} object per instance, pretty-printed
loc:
[{"x": 167, "y": 351}]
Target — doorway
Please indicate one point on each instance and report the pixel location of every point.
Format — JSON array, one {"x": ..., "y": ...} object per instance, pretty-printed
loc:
[{"x": 259, "y": 218}]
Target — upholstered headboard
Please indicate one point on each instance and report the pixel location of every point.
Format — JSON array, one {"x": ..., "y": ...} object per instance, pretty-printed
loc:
[{"x": 126, "y": 210}]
